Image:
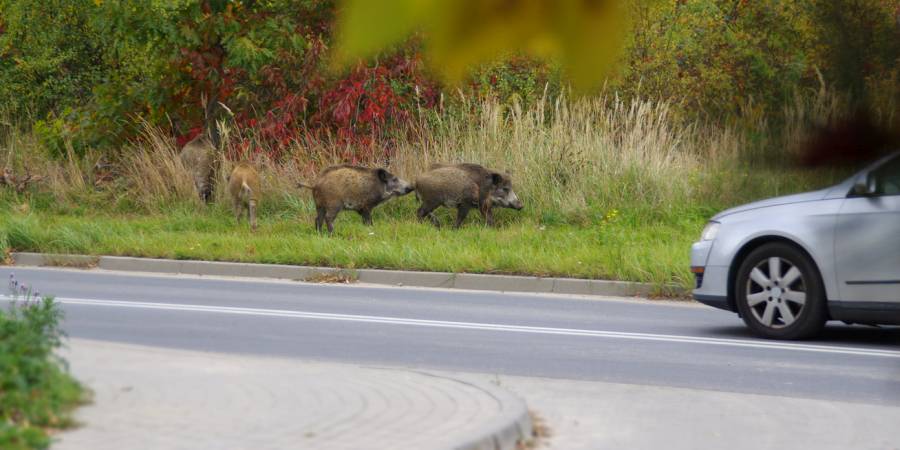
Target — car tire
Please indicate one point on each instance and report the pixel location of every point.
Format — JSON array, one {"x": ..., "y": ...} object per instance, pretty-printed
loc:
[{"x": 788, "y": 305}]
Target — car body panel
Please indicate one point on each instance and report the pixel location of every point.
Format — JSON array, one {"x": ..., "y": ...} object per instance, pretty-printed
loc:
[
  {"x": 853, "y": 240},
  {"x": 868, "y": 242},
  {"x": 807, "y": 224},
  {"x": 700, "y": 253},
  {"x": 714, "y": 289},
  {"x": 775, "y": 201}
]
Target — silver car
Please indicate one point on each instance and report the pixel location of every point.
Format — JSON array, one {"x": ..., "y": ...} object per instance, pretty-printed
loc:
[{"x": 788, "y": 264}]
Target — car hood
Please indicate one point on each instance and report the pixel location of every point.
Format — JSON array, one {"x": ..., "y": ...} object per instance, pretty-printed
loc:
[{"x": 784, "y": 200}]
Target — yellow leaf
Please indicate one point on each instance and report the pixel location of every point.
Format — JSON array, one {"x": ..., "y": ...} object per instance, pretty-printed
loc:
[
  {"x": 584, "y": 35},
  {"x": 366, "y": 26}
]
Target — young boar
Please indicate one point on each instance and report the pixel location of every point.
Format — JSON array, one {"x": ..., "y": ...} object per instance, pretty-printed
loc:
[
  {"x": 243, "y": 187},
  {"x": 355, "y": 188},
  {"x": 464, "y": 186}
]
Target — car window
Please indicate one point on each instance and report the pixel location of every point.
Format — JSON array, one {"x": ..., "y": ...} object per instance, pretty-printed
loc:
[{"x": 887, "y": 178}]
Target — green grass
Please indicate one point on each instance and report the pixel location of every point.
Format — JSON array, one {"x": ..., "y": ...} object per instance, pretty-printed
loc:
[
  {"x": 36, "y": 392},
  {"x": 616, "y": 247}
]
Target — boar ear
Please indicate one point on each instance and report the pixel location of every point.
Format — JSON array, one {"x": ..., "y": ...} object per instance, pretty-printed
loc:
[
  {"x": 383, "y": 175},
  {"x": 496, "y": 178}
]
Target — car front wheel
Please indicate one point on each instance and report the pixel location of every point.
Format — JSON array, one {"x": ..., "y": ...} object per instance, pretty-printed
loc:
[{"x": 779, "y": 293}]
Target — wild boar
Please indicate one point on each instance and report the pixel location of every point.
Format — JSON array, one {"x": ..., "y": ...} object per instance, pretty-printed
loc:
[
  {"x": 464, "y": 186},
  {"x": 200, "y": 155},
  {"x": 243, "y": 187},
  {"x": 355, "y": 188}
]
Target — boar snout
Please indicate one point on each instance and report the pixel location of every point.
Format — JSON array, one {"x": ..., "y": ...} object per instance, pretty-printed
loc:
[
  {"x": 508, "y": 199},
  {"x": 515, "y": 203},
  {"x": 512, "y": 200},
  {"x": 402, "y": 187}
]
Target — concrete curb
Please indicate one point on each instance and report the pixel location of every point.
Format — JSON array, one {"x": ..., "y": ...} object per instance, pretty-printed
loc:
[
  {"x": 507, "y": 431},
  {"x": 505, "y": 283}
]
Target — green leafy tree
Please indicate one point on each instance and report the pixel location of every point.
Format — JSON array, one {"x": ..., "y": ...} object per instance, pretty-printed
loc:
[{"x": 717, "y": 55}]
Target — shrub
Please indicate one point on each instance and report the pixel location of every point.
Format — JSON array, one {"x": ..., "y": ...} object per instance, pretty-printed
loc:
[{"x": 36, "y": 392}]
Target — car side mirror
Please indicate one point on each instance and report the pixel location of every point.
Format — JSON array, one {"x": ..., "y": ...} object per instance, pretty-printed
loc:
[{"x": 865, "y": 185}]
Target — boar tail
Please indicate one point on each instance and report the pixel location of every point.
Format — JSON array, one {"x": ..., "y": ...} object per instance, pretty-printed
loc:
[
  {"x": 304, "y": 185},
  {"x": 246, "y": 191}
]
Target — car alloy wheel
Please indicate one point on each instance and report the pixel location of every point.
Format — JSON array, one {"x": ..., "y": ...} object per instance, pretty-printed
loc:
[
  {"x": 779, "y": 293},
  {"x": 776, "y": 293}
]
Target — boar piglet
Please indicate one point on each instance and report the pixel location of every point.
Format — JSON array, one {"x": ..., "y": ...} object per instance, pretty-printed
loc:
[
  {"x": 356, "y": 188},
  {"x": 464, "y": 186},
  {"x": 243, "y": 188}
]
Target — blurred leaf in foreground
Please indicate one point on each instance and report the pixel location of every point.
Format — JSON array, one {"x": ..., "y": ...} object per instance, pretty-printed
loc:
[{"x": 583, "y": 35}]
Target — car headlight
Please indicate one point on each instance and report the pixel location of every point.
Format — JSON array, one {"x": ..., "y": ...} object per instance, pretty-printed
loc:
[{"x": 710, "y": 232}]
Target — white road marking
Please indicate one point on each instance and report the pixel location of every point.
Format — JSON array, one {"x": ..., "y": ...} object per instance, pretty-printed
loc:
[{"x": 774, "y": 345}]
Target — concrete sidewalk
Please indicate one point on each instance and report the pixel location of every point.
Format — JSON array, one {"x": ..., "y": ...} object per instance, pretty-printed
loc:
[
  {"x": 590, "y": 415},
  {"x": 154, "y": 398}
]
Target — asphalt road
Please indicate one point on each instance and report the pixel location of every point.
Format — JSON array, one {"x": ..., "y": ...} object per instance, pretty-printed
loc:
[{"x": 623, "y": 341}]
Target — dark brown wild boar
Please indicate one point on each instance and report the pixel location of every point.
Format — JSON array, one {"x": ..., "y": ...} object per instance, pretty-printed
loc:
[
  {"x": 355, "y": 188},
  {"x": 464, "y": 186},
  {"x": 243, "y": 187}
]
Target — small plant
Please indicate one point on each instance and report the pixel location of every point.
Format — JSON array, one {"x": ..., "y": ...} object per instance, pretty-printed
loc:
[
  {"x": 23, "y": 291},
  {"x": 36, "y": 392}
]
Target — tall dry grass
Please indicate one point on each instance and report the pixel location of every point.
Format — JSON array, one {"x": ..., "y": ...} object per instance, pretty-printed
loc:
[
  {"x": 23, "y": 153},
  {"x": 571, "y": 161},
  {"x": 154, "y": 172},
  {"x": 567, "y": 157}
]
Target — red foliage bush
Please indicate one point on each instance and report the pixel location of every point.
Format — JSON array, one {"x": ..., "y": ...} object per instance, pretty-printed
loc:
[{"x": 363, "y": 112}]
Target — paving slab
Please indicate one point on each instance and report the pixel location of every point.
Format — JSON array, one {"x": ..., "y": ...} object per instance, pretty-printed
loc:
[
  {"x": 406, "y": 278},
  {"x": 129, "y": 264},
  {"x": 590, "y": 415},
  {"x": 620, "y": 288},
  {"x": 502, "y": 283},
  {"x": 58, "y": 260},
  {"x": 149, "y": 397},
  {"x": 572, "y": 286},
  {"x": 228, "y": 269}
]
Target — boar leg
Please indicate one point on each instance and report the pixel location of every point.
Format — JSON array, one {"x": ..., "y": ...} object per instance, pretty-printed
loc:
[
  {"x": 366, "y": 216},
  {"x": 427, "y": 210},
  {"x": 329, "y": 218},
  {"x": 320, "y": 218},
  {"x": 461, "y": 212},
  {"x": 238, "y": 210},
  {"x": 206, "y": 192},
  {"x": 488, "y": 214},
  {"x": 251, "y": 214}
]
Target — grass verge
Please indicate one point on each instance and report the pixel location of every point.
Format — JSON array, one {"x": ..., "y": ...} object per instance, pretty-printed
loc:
[
  {"x": 622, "y": 247},
  {"x": 616, "y": 248},
  {"x": 611, "y": 191},
  {"x": 37, "y": 394}
]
